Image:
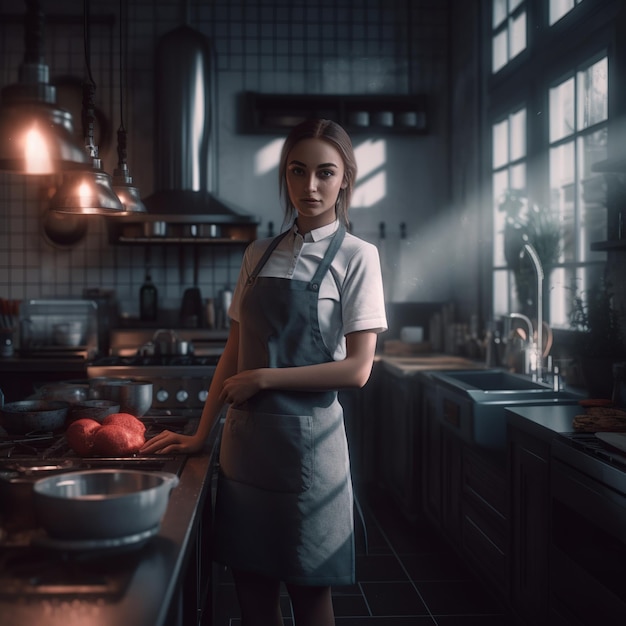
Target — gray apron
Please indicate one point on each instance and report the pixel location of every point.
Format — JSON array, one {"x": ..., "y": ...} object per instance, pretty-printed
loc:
[{"x": 284, "y": 494}]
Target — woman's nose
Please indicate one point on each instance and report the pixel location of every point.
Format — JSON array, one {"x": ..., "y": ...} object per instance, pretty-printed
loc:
[{"x": 311, "y": 183}]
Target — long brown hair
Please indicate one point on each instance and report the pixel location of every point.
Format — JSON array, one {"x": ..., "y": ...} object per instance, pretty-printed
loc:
[{"x": 335, "y": 135}]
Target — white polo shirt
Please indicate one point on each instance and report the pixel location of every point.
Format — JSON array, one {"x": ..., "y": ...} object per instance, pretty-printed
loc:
[{"x": 351, "y": 295}]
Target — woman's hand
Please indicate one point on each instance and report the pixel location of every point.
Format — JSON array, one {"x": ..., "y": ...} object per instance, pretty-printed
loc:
[
  {"x": 167, "y": 442},
  {"x": 242, "y": 386}
]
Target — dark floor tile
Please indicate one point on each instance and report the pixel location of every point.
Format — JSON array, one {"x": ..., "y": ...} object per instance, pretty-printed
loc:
[
  {"x": 393, "y": 599},
  {"x": 385, "y": 621},
  {"x": 475, "y": 620},
  {"x": 459, "y": 598},
  {"x": 351, "y": 606},
  {"x": 379, "y": 567},
  {"x": 435, "y": 566}
]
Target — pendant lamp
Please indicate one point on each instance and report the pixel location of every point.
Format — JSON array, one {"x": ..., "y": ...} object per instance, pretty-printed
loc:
[
  {"x": 36, "y": 136},
  {"x": 87, "y": 190},
  {"x": 122, "y": 180}
]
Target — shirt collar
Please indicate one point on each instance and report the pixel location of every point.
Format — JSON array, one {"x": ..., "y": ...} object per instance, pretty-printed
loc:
[{"x": 317, "y": 234}]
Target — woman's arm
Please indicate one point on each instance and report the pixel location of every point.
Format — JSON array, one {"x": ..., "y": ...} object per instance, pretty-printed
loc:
[
  {"x": 353, "y": 371},
  {"x": 167, "y": 441}
]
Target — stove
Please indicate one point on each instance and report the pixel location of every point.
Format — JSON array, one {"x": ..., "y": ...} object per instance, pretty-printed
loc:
[
  {"x": 29, "y": 565},
  {"x": 592, "y": 446},
  {"x": 179, "y": 381}
]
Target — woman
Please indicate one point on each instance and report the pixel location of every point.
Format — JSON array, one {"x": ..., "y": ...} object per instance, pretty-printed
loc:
[{"x": 305, "y": 313}]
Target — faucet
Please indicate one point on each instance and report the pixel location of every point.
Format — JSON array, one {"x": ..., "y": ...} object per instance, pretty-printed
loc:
[
  {"x": 529, "y": 336},
  {"x": 529, "y": 249}
]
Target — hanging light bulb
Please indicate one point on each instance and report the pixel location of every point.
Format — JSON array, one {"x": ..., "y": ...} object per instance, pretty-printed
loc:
[
  {"x": 87, "y": 191},
  {"x": 122, "y": 180},
  {"x": 36, "y": 137}
]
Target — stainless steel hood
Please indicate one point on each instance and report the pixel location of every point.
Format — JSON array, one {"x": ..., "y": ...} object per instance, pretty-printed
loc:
[{"x": 185, "y": 154}]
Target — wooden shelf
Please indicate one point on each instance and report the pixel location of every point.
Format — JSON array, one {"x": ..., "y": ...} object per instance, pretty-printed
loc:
[{"x": 358, "y": 114}]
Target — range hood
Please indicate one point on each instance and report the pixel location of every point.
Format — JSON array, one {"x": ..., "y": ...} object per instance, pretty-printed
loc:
[{"x": 185, "y": 150}]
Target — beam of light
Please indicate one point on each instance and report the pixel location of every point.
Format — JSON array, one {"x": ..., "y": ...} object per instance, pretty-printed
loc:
[
  {"x": 267, "y": 158},
  {"x": 370, "y": 156},
  {"x": 37, "y": 155},
  {"x": 370, "y": 191}
]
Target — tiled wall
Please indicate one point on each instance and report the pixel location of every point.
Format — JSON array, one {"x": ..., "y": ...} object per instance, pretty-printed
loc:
[{"x": 287, "y": 46}]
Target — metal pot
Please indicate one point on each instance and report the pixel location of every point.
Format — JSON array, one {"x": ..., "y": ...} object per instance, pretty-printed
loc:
[
  {"x": 102, "y": 504},
  {"x": 133, "y": 396},
  {"x": 92, "y": 409},
  {"x": 33, "y": 416}
]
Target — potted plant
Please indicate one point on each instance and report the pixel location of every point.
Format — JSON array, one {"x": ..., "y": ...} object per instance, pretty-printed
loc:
[
  {"x": 599, "y": 341},
  {"x": 527, "y": 222}
]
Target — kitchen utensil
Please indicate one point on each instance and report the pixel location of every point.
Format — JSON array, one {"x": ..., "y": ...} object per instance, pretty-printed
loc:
[
  {"x": 92, "y": 409},
  {"x": 134, "y": 397},
  {"x": 102, "y": 504},
  {"x": 33, "y": 416}
]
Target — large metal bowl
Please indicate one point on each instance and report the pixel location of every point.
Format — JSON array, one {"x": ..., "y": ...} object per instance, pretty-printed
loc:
[
  {"x": 102, "y": 503},
  {"x": 33, "y": 416}
]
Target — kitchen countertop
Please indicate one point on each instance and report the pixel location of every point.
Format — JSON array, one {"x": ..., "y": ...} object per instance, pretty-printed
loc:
[
  {"x": 156, "y": 580},
  {"x": 407, "y": 365},
  {"x": 543, "y": 422}
]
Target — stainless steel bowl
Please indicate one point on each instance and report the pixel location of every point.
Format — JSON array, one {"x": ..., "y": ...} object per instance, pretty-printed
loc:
[
  {"x": 134, "y": 397},
  {"x": 102, "y": 503}
]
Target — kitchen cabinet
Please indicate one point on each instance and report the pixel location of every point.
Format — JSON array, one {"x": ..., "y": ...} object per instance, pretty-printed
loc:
[
  {"x": 399, "y": 441},
  {"x": 442, "y": 463},
  {"x": 529, "y": 469},
  {"x": 484, "y": 517}
]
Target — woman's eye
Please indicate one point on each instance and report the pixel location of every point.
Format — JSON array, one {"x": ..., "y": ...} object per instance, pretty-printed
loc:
[
  {"x": 326, "y": 173},
  {"x": 297, "y": 171}
]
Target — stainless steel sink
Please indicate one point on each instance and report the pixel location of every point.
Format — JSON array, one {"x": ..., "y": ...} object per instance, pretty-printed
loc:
[{"x": 473, "y": 402}]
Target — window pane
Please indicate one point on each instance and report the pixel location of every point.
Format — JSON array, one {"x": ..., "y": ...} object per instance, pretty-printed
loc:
[
  {"x": 500, "y": 144},
  {"x": 513, "y": 4},
  {"x": 518, "y": 34},
  {"x": 499, "y": 12},
  {"x": 501, "y": 291},
  {"x": 500, "y": 186},
  {"x": 558, "y": 8},
  {"x": 499, "y": 50},
  {"x": 562, "y": 110},
  {"x": 592, "y": 148},
  {"x": 518, "y": 177},
  {"x": 593, "y": 92},
  {"x": 563, "y": 194},
  {"x": 518, "y": 135}
]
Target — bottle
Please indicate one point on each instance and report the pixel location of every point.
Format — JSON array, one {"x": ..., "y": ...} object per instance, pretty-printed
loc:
[{"x": 148, "y": 296}]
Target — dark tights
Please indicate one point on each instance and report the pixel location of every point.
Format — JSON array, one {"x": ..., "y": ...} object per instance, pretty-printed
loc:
[{"x": 259, "y": 601}]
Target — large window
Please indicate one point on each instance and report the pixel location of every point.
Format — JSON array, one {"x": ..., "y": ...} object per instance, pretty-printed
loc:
[
  {"x": 578, "y": 109},
  {"x": 508, "y": 37},
  {"x": 545, "y": 188}
]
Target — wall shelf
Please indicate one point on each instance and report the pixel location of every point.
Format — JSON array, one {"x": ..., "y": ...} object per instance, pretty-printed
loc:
[{"x": 358, "y": 114}]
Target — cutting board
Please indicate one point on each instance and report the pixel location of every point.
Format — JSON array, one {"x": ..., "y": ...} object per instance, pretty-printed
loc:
[{"x": 617, "y": 440}]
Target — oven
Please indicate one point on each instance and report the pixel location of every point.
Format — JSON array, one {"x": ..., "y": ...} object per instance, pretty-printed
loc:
[
  {"x": 180, "y": 381},
  {"x": 588, "y": 532}
]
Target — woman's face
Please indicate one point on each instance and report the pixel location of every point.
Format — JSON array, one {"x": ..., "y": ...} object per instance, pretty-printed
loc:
[{"x": 315, "y": 174}]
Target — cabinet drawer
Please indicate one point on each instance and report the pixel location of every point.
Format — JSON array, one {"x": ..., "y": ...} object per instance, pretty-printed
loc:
[{"x": 484, "y": 484}]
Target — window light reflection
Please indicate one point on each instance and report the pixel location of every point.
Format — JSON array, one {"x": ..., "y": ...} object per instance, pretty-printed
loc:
[{"x": 267, "y": 158}]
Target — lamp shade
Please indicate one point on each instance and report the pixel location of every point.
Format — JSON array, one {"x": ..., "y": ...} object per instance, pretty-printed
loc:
[
  {"x": 86, "y": 192},
  {"x": 37, "y": 138},
  {"x": 127, "y": 193}
]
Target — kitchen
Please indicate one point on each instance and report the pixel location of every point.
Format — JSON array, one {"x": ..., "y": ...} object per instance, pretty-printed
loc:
[{"x": 422, "y": 199}]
